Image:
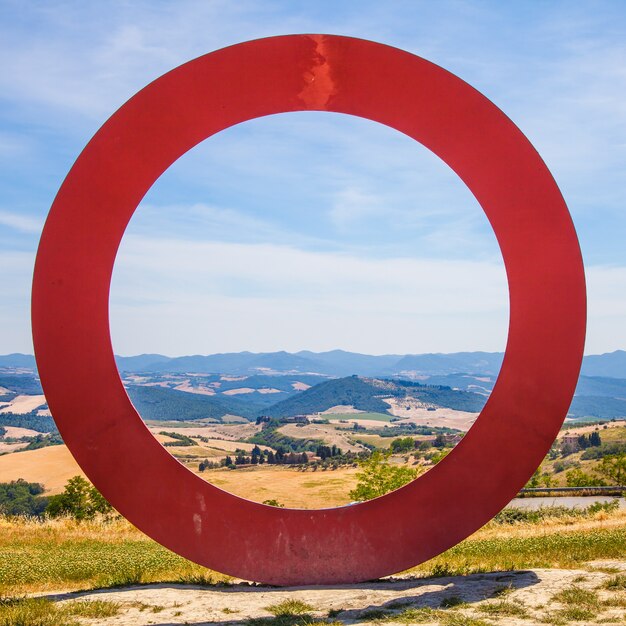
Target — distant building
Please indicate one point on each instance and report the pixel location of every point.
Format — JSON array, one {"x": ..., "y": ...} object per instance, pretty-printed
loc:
[
  {"x": 295, "y": 419},
  {"x": 570, "y": 442}
]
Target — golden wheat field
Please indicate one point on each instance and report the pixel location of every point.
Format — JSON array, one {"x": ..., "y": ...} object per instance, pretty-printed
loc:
[{"x": 54, "y": 466}]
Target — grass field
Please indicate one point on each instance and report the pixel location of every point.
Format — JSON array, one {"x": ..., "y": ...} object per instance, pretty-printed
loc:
[
  {"x": 62, "y": 554},
  {"x": 374, "y": 440}
]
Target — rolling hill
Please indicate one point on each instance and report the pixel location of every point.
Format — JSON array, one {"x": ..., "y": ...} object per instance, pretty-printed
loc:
[
  {"x": 159, "y": 403},
  {"x": 367, "y": 394}
]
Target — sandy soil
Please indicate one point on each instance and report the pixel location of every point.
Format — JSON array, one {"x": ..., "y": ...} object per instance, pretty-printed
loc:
[
  {"x": 439, "y": 417},
  {"x": 23, "y": 404},
  {"x": 351, "y": 604},
  {"x": 325, "y": 432},
  {"x": 52, "y": 466}
]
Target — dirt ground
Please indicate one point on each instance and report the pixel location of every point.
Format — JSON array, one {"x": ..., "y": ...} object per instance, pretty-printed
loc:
[{"x": 493, "y": 597}]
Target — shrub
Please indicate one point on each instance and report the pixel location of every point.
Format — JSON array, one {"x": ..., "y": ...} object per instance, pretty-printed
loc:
[
  {"x": 378, "y": 477},
  {"x": 80, "y": 500}
]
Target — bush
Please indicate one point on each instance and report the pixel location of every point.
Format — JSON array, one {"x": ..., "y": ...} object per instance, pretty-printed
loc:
[
  {"x": 578, "y": 478},
  {"x": 404, "y": 444},
  {"x": 605, "y": 449},
  {"x": 613, "y": 467},
  {"x": 378, "y": 477},
  {"x": 22, "y": 498},
  {"x": 536, "y": 516}
]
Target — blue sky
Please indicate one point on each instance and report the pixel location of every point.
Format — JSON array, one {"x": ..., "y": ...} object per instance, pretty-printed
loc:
[{"x": 312, "y": 230}]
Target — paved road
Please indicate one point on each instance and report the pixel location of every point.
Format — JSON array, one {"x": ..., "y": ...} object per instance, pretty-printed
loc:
[{"x": 568, "y": 501}]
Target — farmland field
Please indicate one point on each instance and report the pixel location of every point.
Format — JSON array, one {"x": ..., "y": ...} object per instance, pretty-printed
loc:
[
  {"x": 52, "y": 467},
  {"x": 375, "y": 417}
]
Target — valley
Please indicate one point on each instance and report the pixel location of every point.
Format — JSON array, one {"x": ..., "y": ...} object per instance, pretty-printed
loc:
[{"x": 298, "y": 438}]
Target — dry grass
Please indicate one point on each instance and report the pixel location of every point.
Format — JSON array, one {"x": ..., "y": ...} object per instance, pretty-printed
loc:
[
  {"x": 327, "y": 433},
  {"x": 63, "y": 554},
  {"x": 52, "y": 466},
  {"x": 23, "y": 404},
  {"x": 43, "y": 612},
  {"x": 294, "y": 489}
]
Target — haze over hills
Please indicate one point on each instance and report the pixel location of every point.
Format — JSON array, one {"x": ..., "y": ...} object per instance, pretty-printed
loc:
[
  {"x": 248, "y": 384},
  {"x": 335, "y": 363}
]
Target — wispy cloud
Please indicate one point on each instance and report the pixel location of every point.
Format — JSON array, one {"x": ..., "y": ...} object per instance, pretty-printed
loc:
[
  {"x": 21, "y": 222},
  {"x": 329, "y": 229},
  {"x": 287, "y": 294}
]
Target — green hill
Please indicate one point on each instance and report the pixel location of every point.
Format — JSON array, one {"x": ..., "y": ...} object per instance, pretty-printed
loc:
[
  {"x": 159, "y": 403},
  {"x": 366, "y": 394}
]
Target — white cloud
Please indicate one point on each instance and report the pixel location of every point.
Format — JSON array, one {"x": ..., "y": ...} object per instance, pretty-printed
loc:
[
  {"x": 209, "y": 296},
  {"x": 21, "y": 222},
  {"x": 16, "y": 276}
]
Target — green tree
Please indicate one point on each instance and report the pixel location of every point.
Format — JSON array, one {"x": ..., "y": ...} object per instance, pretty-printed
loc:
[
  {"x": 578, "y": 478},
  {"x": 613, "y": 467},
  {"x": 80, "y": 499},
  {"x": 22, "y": 498},
  {"x": 595, "y": 439},
  {"x": 378, "y": 476},
  {"x": 402, "y": 444},
  {"x": 534, "y": 479}
]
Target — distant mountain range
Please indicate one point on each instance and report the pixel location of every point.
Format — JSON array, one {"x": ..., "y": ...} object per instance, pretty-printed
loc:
[
  {"x": 249, "y": 384},
  {"x": 335, "y": 363}
]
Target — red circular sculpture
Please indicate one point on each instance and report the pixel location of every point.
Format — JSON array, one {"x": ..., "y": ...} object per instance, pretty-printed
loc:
[{"x": 308, "y": 73}]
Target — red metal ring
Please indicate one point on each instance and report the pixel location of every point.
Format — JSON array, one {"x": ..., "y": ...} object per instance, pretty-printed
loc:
[{"x": 305, "y": 73}]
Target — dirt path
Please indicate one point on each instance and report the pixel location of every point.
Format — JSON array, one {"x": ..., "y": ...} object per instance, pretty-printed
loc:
[{"x": 511, "y": 598}]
